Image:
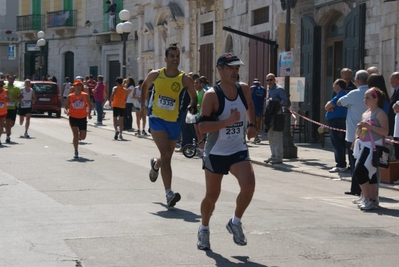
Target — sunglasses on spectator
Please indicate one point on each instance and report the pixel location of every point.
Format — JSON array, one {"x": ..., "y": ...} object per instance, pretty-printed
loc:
[{"x": 269, "y": 80}]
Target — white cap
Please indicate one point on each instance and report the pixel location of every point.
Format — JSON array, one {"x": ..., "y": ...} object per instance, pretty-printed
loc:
[{"x": 79, "y": 78}]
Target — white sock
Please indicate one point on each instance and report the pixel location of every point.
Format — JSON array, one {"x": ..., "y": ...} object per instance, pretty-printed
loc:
[
  {"x": 203, "y": 228},
  {"x": 235, "y": 220},
  {"x": 169, "y": 191},
  {"x": 155, "y": 166}
]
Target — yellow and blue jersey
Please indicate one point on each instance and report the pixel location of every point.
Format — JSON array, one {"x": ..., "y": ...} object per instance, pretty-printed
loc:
[{"x": 167, "y": 97}]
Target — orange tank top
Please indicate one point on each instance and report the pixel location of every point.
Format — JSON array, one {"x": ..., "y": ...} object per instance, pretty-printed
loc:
[
  {"x": 120, "y": 97},
  {"x": 3, "y": 102},
  {"x": 77, "y": 105}
]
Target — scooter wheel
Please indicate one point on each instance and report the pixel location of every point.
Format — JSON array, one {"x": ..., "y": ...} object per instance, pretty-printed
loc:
[{"x": 189, "y": 150}]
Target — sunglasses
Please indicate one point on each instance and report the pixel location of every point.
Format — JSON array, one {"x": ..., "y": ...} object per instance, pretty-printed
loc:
[{"x": 269, "y": 80}]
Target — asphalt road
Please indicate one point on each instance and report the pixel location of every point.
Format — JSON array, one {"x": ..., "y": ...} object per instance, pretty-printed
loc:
[{"x": 102, "y": 210}]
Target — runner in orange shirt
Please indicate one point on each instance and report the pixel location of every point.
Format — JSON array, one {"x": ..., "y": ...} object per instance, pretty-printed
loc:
[
  {"x": 76, "y": 106},
  {"x": 118, "y": 102},
  {"x": 4, "y": 98}
]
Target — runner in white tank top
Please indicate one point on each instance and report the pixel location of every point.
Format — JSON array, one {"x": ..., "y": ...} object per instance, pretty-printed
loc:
[
  {"x": 25, "y": 106},
  {"x": 225, "y": 110}
]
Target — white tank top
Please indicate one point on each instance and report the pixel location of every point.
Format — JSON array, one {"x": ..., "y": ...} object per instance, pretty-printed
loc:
[
  {"x": 27, "y": 98},
  {"x": 67, "y": 89},
  {"x": 137, "y": 94},
  {"x": 231, "y": 139},
  {"x": 129, "y": 98}
]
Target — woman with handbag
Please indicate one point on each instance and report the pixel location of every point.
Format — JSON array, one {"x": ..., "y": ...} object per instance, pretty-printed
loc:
[{"x": 371, "y": 132}]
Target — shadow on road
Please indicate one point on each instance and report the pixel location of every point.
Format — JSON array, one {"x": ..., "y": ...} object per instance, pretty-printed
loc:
[
  {"x": 385, "y": 212},
  {"x": 81, "y": 160},
  {"x": 222, "y": 261},
  {"x": 176, "y": 213}
]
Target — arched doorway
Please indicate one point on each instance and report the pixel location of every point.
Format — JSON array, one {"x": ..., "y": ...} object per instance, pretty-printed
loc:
[
  {"x": 334, "y": 52},
  {"x": 69, "y": 69}
]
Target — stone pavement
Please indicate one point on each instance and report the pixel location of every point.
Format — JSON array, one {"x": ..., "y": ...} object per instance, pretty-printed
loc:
[{"x": 312, "y": 158}]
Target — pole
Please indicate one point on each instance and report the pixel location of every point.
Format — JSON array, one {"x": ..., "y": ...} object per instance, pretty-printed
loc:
[
  {"x": 124, "y": 38},
  {"x": 289, "y": 149},
  {"x": 41, "y": 63}
]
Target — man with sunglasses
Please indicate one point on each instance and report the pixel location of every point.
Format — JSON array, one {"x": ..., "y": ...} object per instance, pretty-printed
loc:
[{"x": 275, "y": 93}]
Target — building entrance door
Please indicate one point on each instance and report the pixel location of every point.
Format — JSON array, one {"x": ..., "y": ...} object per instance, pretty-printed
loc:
[
  {"x": 333, "y": 65},
  {"x": 114, "y": 71},
  {"x": 334, "y": 54}
]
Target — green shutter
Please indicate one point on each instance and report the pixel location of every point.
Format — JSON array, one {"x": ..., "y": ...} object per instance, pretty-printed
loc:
[
  {"x": 353, "y": 43},
  {"x": 36, "y": 14},
  {"x": 36, "y": 7},
  {"x": 310, "y": 69},
  {"x": 68, "y": 6},
  {"x": 119, "y": 7}
]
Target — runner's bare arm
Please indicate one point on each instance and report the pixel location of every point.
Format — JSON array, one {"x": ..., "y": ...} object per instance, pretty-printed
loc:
[
  {"x": 89, "y": 105},
  {"x": 33, "y": 97},
  {"x": 113, "y": 93},
  {"x": 66, "y": 108},
  {"x": 210, "y": 106}
]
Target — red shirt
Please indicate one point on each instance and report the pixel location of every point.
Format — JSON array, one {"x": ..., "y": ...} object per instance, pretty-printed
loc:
[
  {"x": 3, "y": 102},
  {"x": 91, "y": 84}
]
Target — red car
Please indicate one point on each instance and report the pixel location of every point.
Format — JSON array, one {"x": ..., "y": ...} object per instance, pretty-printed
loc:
[{"x": 48, "y": 98}]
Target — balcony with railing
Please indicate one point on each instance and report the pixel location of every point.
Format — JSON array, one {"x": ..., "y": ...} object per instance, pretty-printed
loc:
[
  {"x": 105, "y": 28},
  {"x": 28, "y": 23},
  {"x": 61, "y": 19}
]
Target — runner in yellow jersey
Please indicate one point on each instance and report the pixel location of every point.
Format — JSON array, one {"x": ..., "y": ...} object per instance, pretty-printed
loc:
[{"x": 170, "y": 86}]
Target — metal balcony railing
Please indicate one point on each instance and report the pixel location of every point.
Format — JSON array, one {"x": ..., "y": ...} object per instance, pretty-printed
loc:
[
  {"x": 34, "y": 22},
  {"x": 61, "y": 18}
]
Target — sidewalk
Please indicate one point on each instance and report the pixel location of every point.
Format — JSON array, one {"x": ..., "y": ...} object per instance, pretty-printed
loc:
[{"x": 312, "y": 158}]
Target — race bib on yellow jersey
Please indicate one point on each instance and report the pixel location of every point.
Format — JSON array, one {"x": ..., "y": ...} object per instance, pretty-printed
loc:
[
  {"x": 165, "y": 102},
  {"x": 11, "y": 104}
]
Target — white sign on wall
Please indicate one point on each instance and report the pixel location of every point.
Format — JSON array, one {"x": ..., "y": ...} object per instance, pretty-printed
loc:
[
  {"x": 297, "y": 88},
  {"x": 11, "y": 52}
]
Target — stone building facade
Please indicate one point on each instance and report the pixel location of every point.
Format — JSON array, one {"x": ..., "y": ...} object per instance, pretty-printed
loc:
[{"x": 8, "y": 37}]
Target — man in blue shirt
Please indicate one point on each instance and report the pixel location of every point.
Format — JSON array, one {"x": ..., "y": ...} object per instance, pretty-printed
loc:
[
  {"x": 258, "y": 94},
  {"x": 336, "y": 117},
  {"x": 275, "y": 92}
]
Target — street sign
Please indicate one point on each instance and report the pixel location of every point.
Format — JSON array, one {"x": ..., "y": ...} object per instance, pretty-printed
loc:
[
  {"x": 285, "y": 64},
  {"x": 32, "y": 47},
  {"x": 11, "y": 52}
]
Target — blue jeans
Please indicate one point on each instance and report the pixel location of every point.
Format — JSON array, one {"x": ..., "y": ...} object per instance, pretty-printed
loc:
[
  {"x": 99, "y": 108},
  {"x": 338, "y": 141}
]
